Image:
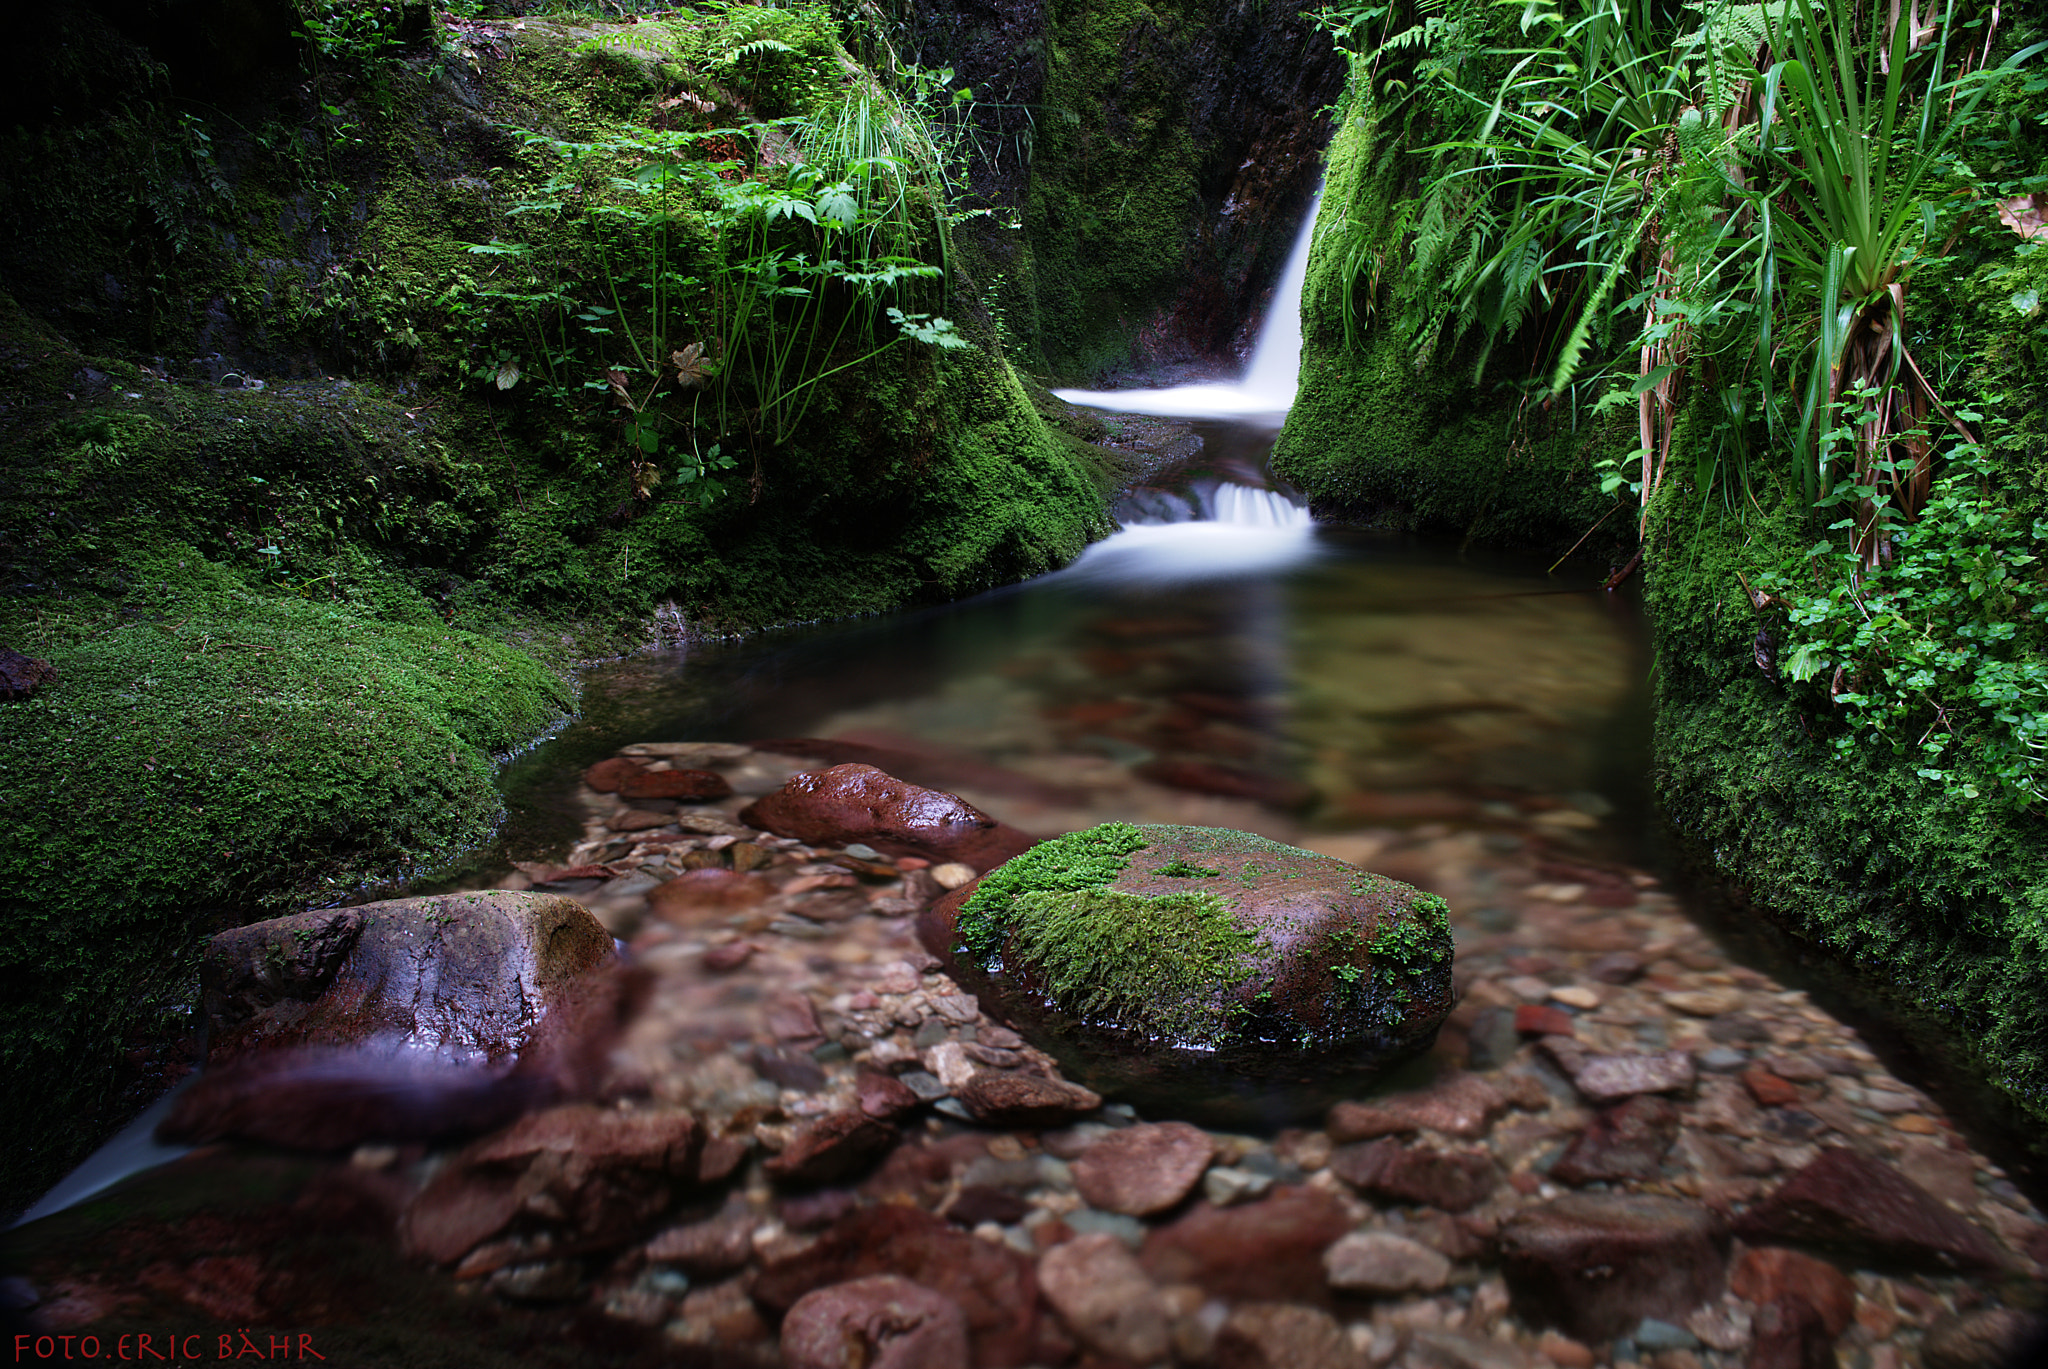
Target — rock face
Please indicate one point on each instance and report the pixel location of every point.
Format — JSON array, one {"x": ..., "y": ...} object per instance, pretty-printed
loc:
[
  {"x": 406, "y": 1019},
  {"x": 858, "y": 803},
  {"x": 1598, "y": 1263},
  {"x": 1200, "y": 972},
  {"x": 21, "y": 676}
]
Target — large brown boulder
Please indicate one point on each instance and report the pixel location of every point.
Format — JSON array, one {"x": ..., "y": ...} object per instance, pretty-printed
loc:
[
  {"x": 406, "y": 1019},
  {"x": 1202, "y": 973},
  {"x": 858, "y": 803}
]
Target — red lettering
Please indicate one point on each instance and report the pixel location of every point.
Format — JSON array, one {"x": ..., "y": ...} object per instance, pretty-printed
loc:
[
  {"x": 142, "y": 1347},
  {"x": 227, "y": 1347},
  {"x": 249, "y": 1347},
  {"x": 67, "y": 1344},
  {"x": 19, "y": 1345},
  {"x": 287, "y": 1348},
  {"x": 42, "y": 1341},
  {"x": 306, "y": 1346},
  {"x": 93, "y": 1353},
  {"x": 184, "y": 1354}
]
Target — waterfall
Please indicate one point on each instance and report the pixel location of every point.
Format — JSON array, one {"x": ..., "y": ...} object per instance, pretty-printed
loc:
[{"x": 1262, "y": 396}]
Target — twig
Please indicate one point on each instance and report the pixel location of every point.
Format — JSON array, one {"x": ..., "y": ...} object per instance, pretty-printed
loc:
[{"x": 1582, "y": 540}]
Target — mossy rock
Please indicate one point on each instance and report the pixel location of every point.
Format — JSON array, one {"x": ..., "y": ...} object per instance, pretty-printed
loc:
[{"x": 1200, "y": 972}]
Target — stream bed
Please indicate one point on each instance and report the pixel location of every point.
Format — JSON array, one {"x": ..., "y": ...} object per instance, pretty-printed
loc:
[{"x": 1469, "y": 725}]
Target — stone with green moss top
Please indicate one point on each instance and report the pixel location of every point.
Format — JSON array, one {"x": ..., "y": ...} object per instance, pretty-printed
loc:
[{"x": 1200, "y": 972}]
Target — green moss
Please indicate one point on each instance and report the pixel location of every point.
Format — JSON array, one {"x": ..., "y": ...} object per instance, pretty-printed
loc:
[
  {"x": 1077, "y": 860},
  {"x": 1161, "y": 966},
  {"x": 1180, "y": 869},
  {"x": 1373, "y": 438}
]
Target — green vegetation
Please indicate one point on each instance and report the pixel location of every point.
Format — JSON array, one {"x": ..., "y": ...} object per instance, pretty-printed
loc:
[
  {"x": 1078, "y": 860},
  {"x": 1181, "y": 869},
  {"x": 1761, "y": 273},
  {"x": 1161, "y": 966}
]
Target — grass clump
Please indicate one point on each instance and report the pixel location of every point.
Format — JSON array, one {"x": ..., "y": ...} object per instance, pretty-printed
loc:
[{"x": 1162, "y": 966}]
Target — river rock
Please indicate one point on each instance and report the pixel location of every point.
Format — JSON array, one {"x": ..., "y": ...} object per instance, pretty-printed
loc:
[
  {"x": 883, "y": 1322},
  {"x": 1143, "y": 1169},
  {"x": 1105, "y": 1297},
  {"x": 1202, "y": 973},
  {"x": 1379, "y": 1262},
  {"x": 1596, "y": 1264},
  {"x": 407, "y": 1019},
  {"x": 1628, "y": 1141},
  {"x": 1272, "y": 1248},
  {"x": 1278, "y": 1335},
  {"x": 686, "y": 786},
  {"x": 858, "y": 803},
  {"x": 1462, "y": 1105},
  {"x": 1770, "y": 1274},
  {"x": 1025, "y": 1100},
  {"x": 1986, "y": 1338},
  {"x": 1449, "y": 1180},
  {"x": 836, "y": 1146},
  {"x": 1849, "y": 1203},
  {"x": 993, "y": 1285}
]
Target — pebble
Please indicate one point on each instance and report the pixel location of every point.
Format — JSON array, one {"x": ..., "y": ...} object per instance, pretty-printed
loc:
[
  {"x": 952, "y": 874},
  {"x": 1105, "y": 1298},
  {"x": 1378, "y": 1262},
  {"x": 1704, "y": 1002},
  {"x": 1143, "y": 1169},
  {"x": 1224, "y": 1185},
  {"x": 1577, "y": 996}
]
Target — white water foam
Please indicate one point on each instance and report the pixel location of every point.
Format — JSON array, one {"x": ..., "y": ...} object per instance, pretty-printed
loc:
[
  {"x": 132, "y": 1151},
  {"x": 1226, "y": 531},
  {"x": 1266, "y": 391}
]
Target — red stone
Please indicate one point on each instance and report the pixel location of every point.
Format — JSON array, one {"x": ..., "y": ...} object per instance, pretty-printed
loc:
[
  {"x": 1226, "y": 781},
  {"x": 1541, "y": 1019},
  {"x": 883, "y": 1096},
  {"x": 698, "y": 894},
  {"x": 1451, "y": 1181},
  {"x": 1767, "y": 1088},
  {"x": 1628, "y": 1141},
  {"x": 1272, "y": 1248},
  {"x": 606, "y": 776},
  {"x": 1848, "y": 1202},
  {"x": 694, "y": 786},
  {"x": 1595, "y": 1264},
  {"x": 995, "y": 1286},
  {"x": 1143, "y": 1169},
  {"x": 836, "y": 1146},
  {"x": 1460, "y": 1105},
  {"x": 1025, "y": 1100},
  {"x": 1773, "y": 1274},
  {"x": 729, "y": 957},
  {"x": 883, "y": 1322},
  {"x": 858, "y": 803}
]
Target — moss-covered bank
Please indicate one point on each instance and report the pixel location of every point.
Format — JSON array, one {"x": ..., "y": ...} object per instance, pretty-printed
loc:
[
  {"x": 302, "y": 575},
  {"x": 1375, "y": 438}
]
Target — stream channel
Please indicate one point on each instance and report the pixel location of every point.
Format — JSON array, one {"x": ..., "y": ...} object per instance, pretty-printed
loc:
[{"x": 1466, "y": 722}]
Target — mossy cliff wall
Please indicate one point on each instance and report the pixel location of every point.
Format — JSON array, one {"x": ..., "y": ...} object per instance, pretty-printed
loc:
[
  {"x": 1376, "y": 438},
  {"x": 302, "y": 575},
  {"x": 1151, "y": 160}
]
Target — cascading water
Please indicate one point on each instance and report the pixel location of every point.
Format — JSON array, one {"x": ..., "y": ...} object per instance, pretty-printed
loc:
[
  {"x": 1264, "y": 394},
  {"x": 1220, "y": 528}
]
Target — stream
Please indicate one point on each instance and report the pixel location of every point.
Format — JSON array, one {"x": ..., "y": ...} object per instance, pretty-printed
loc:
[{"x": 1466, "y": 722}]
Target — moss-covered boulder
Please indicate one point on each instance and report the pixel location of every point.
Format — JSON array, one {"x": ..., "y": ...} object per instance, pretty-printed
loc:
[{"x": 1200, "y": 972}]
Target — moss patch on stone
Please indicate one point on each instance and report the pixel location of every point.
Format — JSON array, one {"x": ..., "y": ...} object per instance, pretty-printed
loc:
[
  {"x": 1078, "y": 860},
  {"x": 1161, "y": 966}
]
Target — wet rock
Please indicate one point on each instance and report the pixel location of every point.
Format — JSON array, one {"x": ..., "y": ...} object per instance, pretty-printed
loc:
[
  {"x": 1617, "y": 967},
  {"x": 21, "y": 676},
  {"x": 1462, "y": 1105},
  {"x": 1986, "y": 1338},
  {"x": 996, "y": 1287},
  {"x": 1847, "y": 1202},
  {"x": 1540, "y": 1019},
  {"x": 837, "y": 1146},
  {"x": 1767, "y": 1088},
  {"x": 702, "y": 895},
  {"x": 406, "y": 1019},
  {"x": 1610, "y": 1078},
  {"x": 858, "y": 803},
  {"x": 883, "y": 1096},
  {"x": 882, "y": 1322},
  {"x": 1277, "y": 1335},
  {"x": 1143, "y": 1169},
  {"x": 606, "y": 776},
  {"x": 1595, "y": 1264},
  {"x": 1105, "y": 1298},
  {"x": 1790, "y": 1335},
  {"x": 978, "y": 1203},
  {"x": 1451, "y": 1180},
  {"x": 1201, "y": 973},
  {"x": 1026, "y": 1100},
  {"x": 1770, "y": 1274},
  {"x": 598, "y": 1176},
  {"x": 1433, "y": 1349},
  {"x": 1628, "y": 1141},
  {"x": 1379, "y": 1262},
  {"x": 1272, "y": 1248},
  {"x": 708, "y": 1249},
  {"x": 684, "y": 786}
]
